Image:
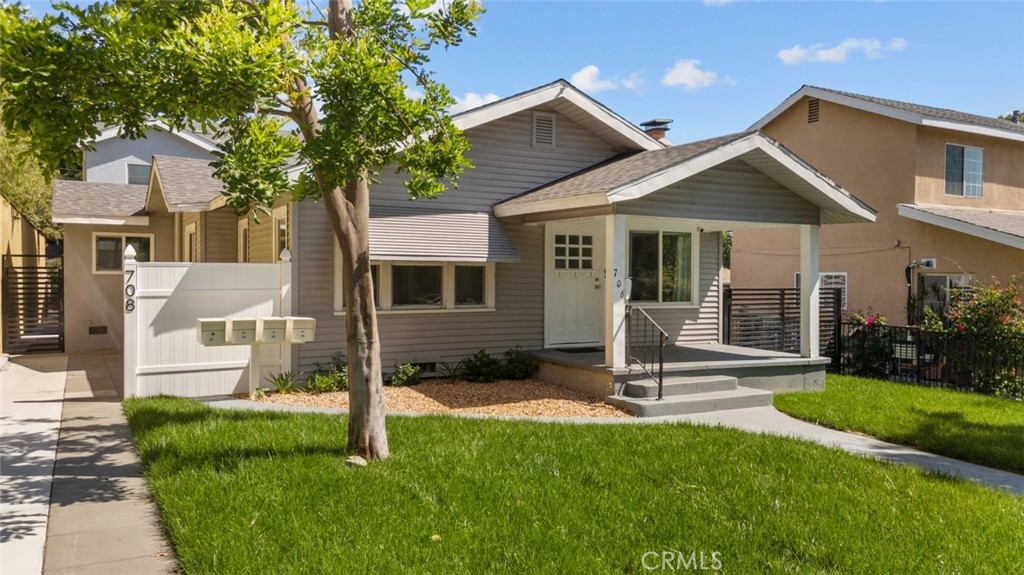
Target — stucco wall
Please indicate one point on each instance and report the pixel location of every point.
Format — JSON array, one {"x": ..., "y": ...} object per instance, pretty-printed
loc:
[
  {"x": 877, "y": 159},
  {"x": 95, "y": 299},
  {"x": 108, "y": 162},
  {"x": 1003, "y": 170}
]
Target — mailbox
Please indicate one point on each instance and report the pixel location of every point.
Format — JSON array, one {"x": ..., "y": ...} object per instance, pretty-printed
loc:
[
  {"x": 303, "y": 329},
  {"x": 212, "y": 331},
  {"x": 241, "y": 331},
  {"x": 271, "y": 329}
]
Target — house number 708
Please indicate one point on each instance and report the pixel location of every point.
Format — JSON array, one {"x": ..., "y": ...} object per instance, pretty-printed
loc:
[{"x": 129, "y": 292}]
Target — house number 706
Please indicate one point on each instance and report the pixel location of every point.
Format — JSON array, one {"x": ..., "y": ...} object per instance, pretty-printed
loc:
[{"x": 129, "y": 292}]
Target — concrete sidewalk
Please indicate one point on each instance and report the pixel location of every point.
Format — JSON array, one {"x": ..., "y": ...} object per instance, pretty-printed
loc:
[
  {"x": 767, "y": 420},
  {"x": 31, "y": 396},
  {"x": 101, "y": 518}
]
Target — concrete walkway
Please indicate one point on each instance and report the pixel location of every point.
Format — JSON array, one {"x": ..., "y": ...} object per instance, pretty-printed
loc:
[
  {"x": 101, "y": 516},
  {"x": 767, "y": 420}
]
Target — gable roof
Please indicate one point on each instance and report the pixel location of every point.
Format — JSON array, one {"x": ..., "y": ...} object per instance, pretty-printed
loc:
[
  {"x": 204, "y": 141},
  {"x": 186, "y": 184},
  {"x": 632, "y": 176},
  {"x": 569, "y": 101},
  {"x": 76, "y": 202},
  {"x": 1001, "y": 226},
  {"x": 905, "y": 111}
]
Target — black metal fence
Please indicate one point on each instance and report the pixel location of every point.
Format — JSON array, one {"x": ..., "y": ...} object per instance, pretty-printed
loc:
[
  {"x": 959, "y": 360},
  {"x": 769, "y": 318}
]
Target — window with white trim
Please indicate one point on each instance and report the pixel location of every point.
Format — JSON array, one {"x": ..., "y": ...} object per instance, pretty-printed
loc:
[
  {"x": 138, "y": 174},
  {"x": 281, "y": 235},
  {"x": 965, "y": 167},
  {"x": 829, "y": 280},
  {"x": 108, "y": 250},
  {"x": 425, "y": 285},
  {"x": 661, "y": 266},
  {"x": 939, "y": 290}
]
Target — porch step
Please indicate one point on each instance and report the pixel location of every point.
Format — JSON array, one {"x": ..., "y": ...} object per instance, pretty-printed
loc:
[
  {"x": 739, "y": 398},
  {"x": 680, "y": 385}
]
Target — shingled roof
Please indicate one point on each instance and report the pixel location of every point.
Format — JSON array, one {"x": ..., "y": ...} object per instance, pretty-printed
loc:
[
  {"x": 186, "y": 182},
  {"x": 1001, "y": 226},
  {"x": 73, "y": 198}
]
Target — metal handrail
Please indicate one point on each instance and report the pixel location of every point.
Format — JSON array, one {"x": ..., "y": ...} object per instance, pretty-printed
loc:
[{"x": 651, "y": 331}]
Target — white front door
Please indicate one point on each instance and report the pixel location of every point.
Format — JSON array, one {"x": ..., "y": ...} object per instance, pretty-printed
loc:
[{"x": 574, "y": 291}]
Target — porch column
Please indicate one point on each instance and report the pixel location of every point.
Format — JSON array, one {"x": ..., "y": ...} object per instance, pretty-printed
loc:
[
  {"x": 810, "y": 286},
  {"x": 615, "y": 238}
]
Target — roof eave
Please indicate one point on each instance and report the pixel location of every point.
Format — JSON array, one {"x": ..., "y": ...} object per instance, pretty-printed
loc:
[
  {"x": 590, "y": 200},
  {"x": 911, "y": 212},
  {"x": 87, "y": 219}
]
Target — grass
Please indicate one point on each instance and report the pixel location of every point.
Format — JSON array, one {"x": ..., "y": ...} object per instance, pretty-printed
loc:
[
  {"x": 977, "y": 428},
  {"x": 245, "y": 492}
]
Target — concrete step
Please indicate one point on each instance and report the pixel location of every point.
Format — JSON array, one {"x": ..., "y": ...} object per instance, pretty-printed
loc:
[
  {"x": 680, "y": 385},
  {"x": 739, "y": 398}
]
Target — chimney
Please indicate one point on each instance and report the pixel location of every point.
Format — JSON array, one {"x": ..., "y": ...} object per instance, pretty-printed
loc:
[
  {"x": 1015, "y": 118},
  {"x": 656, "y": 128}
]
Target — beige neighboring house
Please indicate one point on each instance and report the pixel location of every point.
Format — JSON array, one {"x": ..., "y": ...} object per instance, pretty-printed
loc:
[
  {"x": 158, "y": 195},
  {"x": 948, "y": 187},
  {"x": 17, "y": 237}
]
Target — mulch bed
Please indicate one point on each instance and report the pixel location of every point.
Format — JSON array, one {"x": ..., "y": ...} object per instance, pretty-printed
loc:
[{"x": 528, "y": 397}]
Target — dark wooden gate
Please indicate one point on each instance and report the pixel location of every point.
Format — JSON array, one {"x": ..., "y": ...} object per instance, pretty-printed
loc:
[{"x": 33, "y": 304}]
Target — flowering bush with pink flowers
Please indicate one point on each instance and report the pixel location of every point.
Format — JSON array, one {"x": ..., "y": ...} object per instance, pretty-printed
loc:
[
  {"x": 867, "y": 347},
  {"x": 990, "y": 321}
]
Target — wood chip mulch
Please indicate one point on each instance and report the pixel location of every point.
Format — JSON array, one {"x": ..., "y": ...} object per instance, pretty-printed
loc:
[{"x": 518, "y": 398}]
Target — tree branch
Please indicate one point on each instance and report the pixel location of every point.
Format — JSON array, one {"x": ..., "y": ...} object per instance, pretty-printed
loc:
[
  {"x": 275, "y": 112},
  {"x": 315, "y": 23}
]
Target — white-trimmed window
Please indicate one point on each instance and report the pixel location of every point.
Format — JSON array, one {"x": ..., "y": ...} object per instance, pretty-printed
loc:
[
  {"x": 829, "y": 280},
  {"x": 281, "y": 235},
  {"x": 108, "y": 250},
  {"x": 138, "y": 174},
  {"x": 965, "y": 167},
  {"x": 662, "y": 266},
  {"x": 939, "y": 290},
  {"x": 425, "y": 286},
  {"x": 243, "y": 241}
]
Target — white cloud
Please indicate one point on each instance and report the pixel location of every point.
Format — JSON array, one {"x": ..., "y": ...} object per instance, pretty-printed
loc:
[
  {"x": 588, "y": 79},
  {"x": 687, "y": 73},
  {"x": 472, "y": 100},
  {"x": 871, "y": 47},
  {"x": 634, "y": 81}
]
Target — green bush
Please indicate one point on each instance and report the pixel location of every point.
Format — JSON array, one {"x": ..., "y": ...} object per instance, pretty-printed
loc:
[
  {"x": 453, "y": 371},
  {"x": 406, "y": 374},
  {"x": 325, "y": 380},
  {"x": 868, "y": 350},
  {"x": 482, "y": 368},
  {"x": 987, "y": 336},
  {"x": 519, "y": 364},
  {"x": 285, "y": 381}
]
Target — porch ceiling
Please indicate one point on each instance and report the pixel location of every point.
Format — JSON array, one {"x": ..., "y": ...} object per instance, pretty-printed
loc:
[{"x": 630, "y": 177}]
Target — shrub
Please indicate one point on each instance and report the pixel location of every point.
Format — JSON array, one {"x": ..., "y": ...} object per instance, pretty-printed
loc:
[
  {"x": 406, "y": 374},
  {"x": 987, "y": 333},
  {"x": 519, "y": 364},
  {"x": 482, "y": 368},
  {"x": 285, "y": 381},
  {"x": 869, "y": 351}
]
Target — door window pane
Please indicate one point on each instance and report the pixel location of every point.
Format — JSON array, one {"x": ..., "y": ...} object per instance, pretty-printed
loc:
[
  {"x": 469, "y": 285},
  {"x": 643, "y": 265},
  {"x": 416, "y": 286},
  {"x": 675, "y": 268},
  {"x": 108, "y": 254}
]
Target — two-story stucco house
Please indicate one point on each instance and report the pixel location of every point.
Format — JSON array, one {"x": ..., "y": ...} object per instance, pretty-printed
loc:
[
  {"x": 569, "y": 213},
  {"x": 948, "y": 187}
]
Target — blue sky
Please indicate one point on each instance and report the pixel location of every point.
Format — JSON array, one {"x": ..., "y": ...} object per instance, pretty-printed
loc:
[{"x": 716, "y": 66}]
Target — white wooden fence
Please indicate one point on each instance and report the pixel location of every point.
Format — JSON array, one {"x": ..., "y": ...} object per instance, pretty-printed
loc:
[{"x": 163, "y": 300}]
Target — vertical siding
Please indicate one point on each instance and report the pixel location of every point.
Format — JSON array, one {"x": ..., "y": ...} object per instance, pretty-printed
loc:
[
  {"x": 220, "y": 235},
  {"x": 732, "y": 191},
  {"x": 261, "y": 235},
  {"x": 505, "y": 164},
  {"x": 699, "y": 324}
]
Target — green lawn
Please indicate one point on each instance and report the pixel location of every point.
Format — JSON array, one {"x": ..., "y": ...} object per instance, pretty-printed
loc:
[
  {"x": 968, "y": 426},
  {"x": 245, "y": 492}
]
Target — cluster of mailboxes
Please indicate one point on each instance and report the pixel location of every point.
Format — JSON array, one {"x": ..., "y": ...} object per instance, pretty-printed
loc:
[{"x": 248, "y": 331}]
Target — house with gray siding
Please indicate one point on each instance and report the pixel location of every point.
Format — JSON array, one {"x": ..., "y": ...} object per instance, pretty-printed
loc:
[{"x": 574, "y": 232}]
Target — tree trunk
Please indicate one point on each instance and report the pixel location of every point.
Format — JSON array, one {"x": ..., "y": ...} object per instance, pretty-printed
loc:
[{"x": 349, "y": 213}]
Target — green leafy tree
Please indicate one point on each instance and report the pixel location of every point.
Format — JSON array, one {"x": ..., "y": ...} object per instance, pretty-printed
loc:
[
  {"x": 727, "y": 250},
  {"x": 248, "y": 68},
  {"x": 25, "y": 184}
]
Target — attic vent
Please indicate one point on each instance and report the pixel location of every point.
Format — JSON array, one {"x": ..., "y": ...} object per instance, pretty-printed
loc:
[
  {"x": 813, "y": 109},
  {"x": 543, "y": 130}
]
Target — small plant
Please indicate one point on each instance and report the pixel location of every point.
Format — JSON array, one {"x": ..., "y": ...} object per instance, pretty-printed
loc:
[
  {"x": 285, "y": 381},
  {"x": 326, "y": 381},
  {"x": 260, "y": 392},
  {"x": 519, "y": 364},
  {"x": 453, "y": 372},
  {"x": 482, "y": 368},
  {"x": 406, "y": 374}
]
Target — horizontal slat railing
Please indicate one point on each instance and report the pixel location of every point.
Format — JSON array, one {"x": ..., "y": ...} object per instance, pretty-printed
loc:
[{"x": 769, "y": 319}]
